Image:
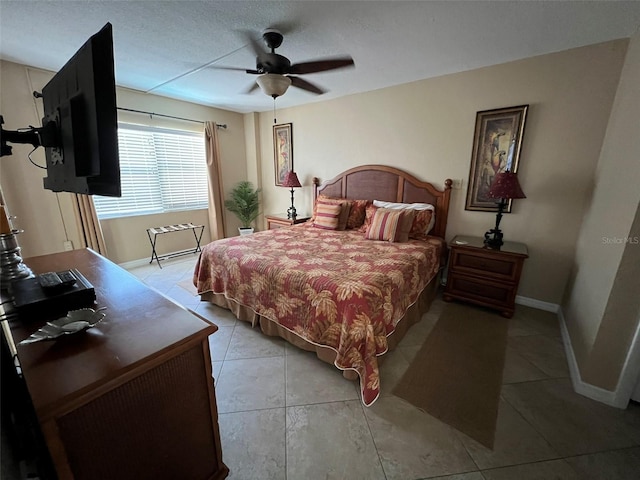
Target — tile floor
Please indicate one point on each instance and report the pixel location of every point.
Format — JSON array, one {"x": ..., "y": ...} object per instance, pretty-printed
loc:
[{"x": 284, "y": 414}]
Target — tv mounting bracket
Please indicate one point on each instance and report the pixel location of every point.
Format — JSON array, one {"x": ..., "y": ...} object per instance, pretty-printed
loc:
[{"x": 45, "y": 136}]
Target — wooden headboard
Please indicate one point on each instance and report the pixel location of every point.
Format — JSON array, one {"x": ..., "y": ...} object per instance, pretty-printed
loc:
[{"x": 389, "y": 184}]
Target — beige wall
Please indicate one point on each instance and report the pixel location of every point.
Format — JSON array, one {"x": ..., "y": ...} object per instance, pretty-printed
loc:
[
  {"x": 602, "y": 303},
  {"x": 127, "y": 238},
  {"x": 427, "y": 129},
  {"x": 254, "y": 162},
  {"x": 47, "y": 218},
  {"x": 38, "y": 211}
]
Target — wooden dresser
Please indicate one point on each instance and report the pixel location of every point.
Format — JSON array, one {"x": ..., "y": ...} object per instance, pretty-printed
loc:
[
  {"x": 484, "y": 276},
  {"x": 132, "y": 398}
]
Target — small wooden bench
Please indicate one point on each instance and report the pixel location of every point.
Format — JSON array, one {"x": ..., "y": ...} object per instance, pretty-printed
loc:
[{"x": 155, "y": 231}]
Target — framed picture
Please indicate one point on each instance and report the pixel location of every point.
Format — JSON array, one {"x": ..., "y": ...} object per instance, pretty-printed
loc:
[
  {"x": 497, "y": 141},
  {"x": 282, "y": 150}
]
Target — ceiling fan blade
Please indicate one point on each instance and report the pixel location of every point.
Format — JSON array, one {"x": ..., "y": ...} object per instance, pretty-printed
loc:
[
  {"x": 256, "y": 47},
  {"x": 285, "y": 27},
  {"x": 251, "y": 89},
  {"x": 305, "y": 85},
  {"x": 321, "y": 65},
  {"x": 236, "y": 69}
]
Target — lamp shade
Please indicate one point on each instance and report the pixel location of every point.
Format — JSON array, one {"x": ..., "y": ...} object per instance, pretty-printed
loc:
[
  {"x": 506, "y": 185},
  {"x": 273, "y": 84},
  {"x": 291, "y": 180}
]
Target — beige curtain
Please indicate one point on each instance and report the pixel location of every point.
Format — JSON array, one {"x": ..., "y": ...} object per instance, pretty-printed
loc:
[
  {"x": 216, "y": 200},
  {"x": 89, "y": 229}
]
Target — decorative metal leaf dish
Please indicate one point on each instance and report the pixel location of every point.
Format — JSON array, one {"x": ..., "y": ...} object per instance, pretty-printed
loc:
[{"x": 75, "y": 321}]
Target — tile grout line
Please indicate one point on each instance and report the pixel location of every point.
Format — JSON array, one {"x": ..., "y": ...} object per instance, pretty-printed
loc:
[
  {"x": 560, "y": 459},
  {"x": 286, "y": 407},
  {"x": 502, "y": 397},
  {"x": 458, "y": 434},
  {"x": 517, "y": 410},
  {"x": 373, "y": 438}
]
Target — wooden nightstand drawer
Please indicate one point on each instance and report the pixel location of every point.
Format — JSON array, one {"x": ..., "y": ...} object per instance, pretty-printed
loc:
[
  {"x": 482, "y": 290},
  {"x": 473, "y": 263}
]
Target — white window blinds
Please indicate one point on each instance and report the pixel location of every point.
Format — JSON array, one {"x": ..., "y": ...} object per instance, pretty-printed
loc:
[{"x": 161, "y": 170}]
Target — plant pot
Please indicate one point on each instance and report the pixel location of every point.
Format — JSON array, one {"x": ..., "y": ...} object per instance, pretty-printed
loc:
[{"x": 245, "y": 230}]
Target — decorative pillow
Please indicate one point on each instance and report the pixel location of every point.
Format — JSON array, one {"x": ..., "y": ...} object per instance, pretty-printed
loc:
[
  {"x": 390, "y": 225},
  {"x": 421, "y": 223},
  {"x": 370, "y": 211},
  {"x": 419, "y": 220},
  {"x": 344, "y": 213},
  {"x": 404, "y": 227},
  {"x": 327, "y": 215},
  {"x": 357, "y": 213}
]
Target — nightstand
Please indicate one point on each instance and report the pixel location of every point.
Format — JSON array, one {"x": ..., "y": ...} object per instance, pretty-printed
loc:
[
  {"x": 484, "y": 276},
  {"x": 279, "y": 220}
]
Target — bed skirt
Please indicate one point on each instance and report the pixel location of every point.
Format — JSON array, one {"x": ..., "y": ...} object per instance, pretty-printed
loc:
[{"x": 326, "y": 354}]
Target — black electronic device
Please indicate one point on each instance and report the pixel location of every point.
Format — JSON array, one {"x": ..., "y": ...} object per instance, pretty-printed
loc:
[
  {"x": 80, "y": 129},
  {"x": 43, "y": 297},
  {"x": 57, "y": 281}
]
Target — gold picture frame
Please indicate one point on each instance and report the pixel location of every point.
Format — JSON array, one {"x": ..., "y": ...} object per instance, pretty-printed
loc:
[
  {"x": 282, "y": 151},
  {"x": 497, "y": 142}
]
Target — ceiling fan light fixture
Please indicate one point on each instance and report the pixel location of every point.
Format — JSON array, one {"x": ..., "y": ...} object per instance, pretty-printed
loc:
[{"x": 273, "y": 84}]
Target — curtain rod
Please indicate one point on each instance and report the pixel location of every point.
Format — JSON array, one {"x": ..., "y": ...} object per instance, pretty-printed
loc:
[{"x": 221, "y": 125}]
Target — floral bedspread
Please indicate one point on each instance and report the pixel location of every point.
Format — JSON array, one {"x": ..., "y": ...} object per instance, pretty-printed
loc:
[{"x": 332, "y": 288}]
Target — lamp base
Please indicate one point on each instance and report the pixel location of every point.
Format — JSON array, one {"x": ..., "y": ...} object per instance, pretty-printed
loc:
[
  {"x": 494, "y": 242},
  {"x": 291, "y": 212}
]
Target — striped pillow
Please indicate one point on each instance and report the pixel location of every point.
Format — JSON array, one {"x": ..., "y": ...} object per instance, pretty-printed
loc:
[
  {"x": 327, "y": 215},
  {"x": 424, "y": 220},
  {"x": 344, "y": 213},
  {"x": 390, "y": 225}
]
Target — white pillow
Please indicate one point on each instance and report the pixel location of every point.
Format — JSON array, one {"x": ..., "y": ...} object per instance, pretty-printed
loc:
[{"x": 410, "y": 206}]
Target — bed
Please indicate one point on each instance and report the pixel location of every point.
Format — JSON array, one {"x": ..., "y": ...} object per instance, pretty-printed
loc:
[{"x": 346, "y": 297}]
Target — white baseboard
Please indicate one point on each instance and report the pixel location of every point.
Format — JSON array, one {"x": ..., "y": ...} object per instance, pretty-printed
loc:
[
  {"x": 618, "y": 398},
  {"x": 629, "y": 384},
  {"x": 613, "y": 399},
  {"x": 134, "y": 263},
  {"x": 145, "y": 261},
  {"x": 539, "y": 304}
]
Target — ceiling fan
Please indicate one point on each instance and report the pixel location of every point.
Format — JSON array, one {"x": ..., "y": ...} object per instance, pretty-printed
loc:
[{"x": 277, "y": 72}]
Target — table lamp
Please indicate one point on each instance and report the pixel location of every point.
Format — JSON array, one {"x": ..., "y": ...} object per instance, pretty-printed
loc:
[
  {"x": 291, "y": 180},
  {"x": 505, "y": 186}
]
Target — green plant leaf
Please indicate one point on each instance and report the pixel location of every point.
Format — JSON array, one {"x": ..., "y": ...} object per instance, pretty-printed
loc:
[{"x": 244, "y": 202}]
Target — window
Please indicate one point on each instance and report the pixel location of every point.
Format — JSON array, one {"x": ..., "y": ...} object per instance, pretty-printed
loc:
[{"x": 161, "y": 171}]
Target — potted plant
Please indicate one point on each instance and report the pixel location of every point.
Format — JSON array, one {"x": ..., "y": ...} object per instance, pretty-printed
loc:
[{"x": 244, "y": 201}]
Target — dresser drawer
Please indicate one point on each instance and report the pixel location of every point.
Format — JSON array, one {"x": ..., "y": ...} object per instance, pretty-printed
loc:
[{"x": 502, "y": 267}]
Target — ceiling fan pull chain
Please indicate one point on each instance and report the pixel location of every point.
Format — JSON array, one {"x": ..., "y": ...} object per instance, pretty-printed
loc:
[{"x": 274, "y": 110}]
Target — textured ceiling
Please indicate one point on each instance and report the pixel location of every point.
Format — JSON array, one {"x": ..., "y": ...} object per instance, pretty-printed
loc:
[{"x": 392, "y": 42}]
